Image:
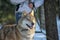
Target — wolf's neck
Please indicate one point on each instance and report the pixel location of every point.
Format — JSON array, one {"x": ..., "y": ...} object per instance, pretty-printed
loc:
[{"x": 21, "y": 37}]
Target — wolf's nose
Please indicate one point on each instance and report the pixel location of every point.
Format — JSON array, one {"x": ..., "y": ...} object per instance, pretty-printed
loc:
[{"x": 32, "y": 23}]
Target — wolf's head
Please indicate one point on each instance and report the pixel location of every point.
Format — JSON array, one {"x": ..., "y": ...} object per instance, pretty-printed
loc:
[
  {"x": 27, "y": 20},
  {"x": 26, "y": 24}
]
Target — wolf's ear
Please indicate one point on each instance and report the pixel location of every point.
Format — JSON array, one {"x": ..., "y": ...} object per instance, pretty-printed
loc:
[
  {"x": 32, "y": 13},
  {"x": 24, "y": 13}
]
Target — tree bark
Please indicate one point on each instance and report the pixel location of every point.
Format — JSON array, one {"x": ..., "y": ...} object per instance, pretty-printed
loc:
[{"x": 50, "y": 20}]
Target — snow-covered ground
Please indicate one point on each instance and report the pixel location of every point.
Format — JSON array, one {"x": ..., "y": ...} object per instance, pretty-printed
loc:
[{"x": 39, "y": 36}]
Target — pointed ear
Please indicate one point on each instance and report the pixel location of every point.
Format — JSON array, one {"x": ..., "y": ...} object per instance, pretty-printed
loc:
[
  {"x": 32, "y": 13},
  {"x": 24, "y": 13}
]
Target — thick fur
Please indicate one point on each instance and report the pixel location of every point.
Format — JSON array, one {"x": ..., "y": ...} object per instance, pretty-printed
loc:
[{"x": 21, "y": 31}]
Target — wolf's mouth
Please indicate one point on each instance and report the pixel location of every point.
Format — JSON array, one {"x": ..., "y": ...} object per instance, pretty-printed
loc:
[
  {"x": 24, "y": 30},
  {"x": 29, "y": 26}
]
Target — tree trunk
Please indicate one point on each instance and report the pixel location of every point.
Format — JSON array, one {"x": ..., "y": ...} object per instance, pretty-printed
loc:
[{"x": 50, "y": 20}]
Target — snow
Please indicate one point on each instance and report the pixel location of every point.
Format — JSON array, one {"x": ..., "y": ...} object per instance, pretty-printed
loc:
[{"x": 39, "y": 36}]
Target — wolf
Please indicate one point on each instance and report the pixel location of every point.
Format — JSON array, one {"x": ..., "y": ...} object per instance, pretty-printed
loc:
[
  {"x": 24, "y": 30},
  {"x": 26, "y": 26}
]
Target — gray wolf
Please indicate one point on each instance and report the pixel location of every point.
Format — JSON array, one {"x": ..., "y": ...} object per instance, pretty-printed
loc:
[
  {"x": 26, "y": 26},
  {"x": 24, "y": 30}
]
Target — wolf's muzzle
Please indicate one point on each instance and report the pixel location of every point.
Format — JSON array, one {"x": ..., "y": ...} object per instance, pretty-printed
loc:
[{"x": 30, "y": 26}]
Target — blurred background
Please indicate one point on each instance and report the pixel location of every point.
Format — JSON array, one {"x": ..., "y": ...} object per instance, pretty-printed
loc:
[
  {"x": 7, "y": 16},
  {"x": 6, "y": 11}
]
